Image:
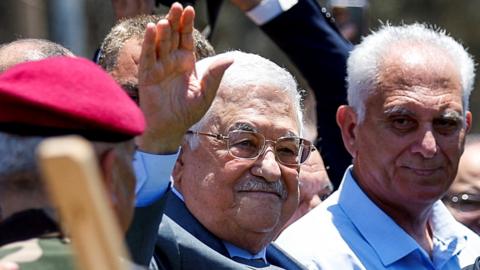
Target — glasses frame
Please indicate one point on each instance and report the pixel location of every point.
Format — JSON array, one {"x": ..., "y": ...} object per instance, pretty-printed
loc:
[
  {"x": 456, "y": 200},
  {"x": 225, "y": 138}
]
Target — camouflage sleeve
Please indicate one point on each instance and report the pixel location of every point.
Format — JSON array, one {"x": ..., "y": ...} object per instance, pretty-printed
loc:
[{"x": 39, "y": 253}]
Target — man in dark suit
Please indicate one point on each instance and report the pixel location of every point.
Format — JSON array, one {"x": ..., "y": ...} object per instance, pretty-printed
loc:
[
  {"x": 235, "y": 180},
  {"x": 321, "y": 26}
]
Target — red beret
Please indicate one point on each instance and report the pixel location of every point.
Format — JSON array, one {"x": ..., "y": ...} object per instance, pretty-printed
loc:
[{"x": 66, "y": 95}]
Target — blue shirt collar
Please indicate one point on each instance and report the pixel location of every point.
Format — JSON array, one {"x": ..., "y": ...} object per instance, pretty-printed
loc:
[
  {"x": 382, "y": 232},
  {"x": 233, "y": 250},
  {"x": 447, "y": 240}
]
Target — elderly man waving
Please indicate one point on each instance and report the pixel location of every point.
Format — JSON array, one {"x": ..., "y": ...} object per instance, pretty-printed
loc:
[{"x": 235, "y": 182}]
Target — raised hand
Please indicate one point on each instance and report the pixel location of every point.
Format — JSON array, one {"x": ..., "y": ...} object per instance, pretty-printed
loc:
[{"x": 171, "y": 96}]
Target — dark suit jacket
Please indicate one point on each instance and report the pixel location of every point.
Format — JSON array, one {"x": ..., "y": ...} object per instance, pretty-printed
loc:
[
  {"x": 313, "y": 43},
  {"x": 475, "y": 266},
  {"x": 183, "y": 243}
]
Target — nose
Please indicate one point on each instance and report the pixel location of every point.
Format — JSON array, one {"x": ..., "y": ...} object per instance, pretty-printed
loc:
[
  {"x": 427, "y": 145},
  {"x": 266, "y": 166}
]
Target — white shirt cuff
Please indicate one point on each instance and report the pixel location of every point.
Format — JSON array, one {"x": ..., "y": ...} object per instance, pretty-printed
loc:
[{"x": 269, "y": 9}]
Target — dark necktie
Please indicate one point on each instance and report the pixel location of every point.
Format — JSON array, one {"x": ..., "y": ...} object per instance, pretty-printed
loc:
[{"x": 260, "y": 263}]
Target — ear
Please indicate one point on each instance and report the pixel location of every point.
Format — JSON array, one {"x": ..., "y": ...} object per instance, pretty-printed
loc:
[
  {"x": 107, "y": 160},
  {"x": 468, "y": 121},
  {"x": 178, "y": 170},
  {"x": 347, "y": 121}
]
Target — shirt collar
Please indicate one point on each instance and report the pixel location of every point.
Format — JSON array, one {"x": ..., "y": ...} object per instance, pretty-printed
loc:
[
  {"x": 448, "y": 238},
  {"x": 380, "y": 231},
  {"x": 176, "y": 192},
  {"x": 233, "y": 250}
]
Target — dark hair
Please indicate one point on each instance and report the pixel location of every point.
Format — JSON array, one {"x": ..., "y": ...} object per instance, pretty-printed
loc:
[{"x": 135, "y": 27}]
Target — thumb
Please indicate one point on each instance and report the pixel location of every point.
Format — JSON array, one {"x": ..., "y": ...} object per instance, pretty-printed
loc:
[{"x": 212, "y": 77}]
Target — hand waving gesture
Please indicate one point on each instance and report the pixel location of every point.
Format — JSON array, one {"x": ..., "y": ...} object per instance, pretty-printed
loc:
[{"x": 172, "y": 97}]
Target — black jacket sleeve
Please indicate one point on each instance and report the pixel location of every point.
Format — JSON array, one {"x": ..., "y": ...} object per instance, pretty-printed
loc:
[{"x": 309, "y": 38}]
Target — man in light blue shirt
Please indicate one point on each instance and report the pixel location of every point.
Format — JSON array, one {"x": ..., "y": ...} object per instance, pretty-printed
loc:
[
  {"x": 358, "y": 228},
  {"x": 408, "y": 90}
]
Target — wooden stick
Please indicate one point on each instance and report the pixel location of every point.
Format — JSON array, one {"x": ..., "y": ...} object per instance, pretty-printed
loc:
[{"x": 72, "y": 177}]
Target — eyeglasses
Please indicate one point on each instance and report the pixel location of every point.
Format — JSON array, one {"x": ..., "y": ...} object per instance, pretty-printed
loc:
[
  {"x": 290, "y": 151},
  {"x": 464, "y": 202}
]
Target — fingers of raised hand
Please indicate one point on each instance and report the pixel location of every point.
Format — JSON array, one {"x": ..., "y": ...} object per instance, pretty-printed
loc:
[
  {"x": 186, "y": 29},
  {"x": 155, "y": 55},
  {"x": 148, "y": 55},
  {"x": 164, "y": 39},
  {"x": 168, "y": 44},
  {"x": 174, "y": 17}
]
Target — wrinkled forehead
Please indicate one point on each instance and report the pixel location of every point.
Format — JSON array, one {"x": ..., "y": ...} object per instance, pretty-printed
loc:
[
  {"x": 264, "y": 105},
  {"x": 419, "y": 66},
  {"x": 406, "y": 60}
]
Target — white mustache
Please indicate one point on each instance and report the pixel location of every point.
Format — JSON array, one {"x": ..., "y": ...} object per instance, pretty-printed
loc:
[{"x": 257, "y": 184}]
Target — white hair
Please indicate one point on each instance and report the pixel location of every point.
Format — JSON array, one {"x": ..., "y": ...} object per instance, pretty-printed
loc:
[
  {"x": 249, "y": 69},
  {"x": 363, "y": 63}
]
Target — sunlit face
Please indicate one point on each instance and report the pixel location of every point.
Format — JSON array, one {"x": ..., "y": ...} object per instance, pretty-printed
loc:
[
  {"x": 218, "y": 187},
  {"x": 123, "y": 182},
  {"x": 467, "y": 182},
  {"x": 407, "y": 149},
  {"x": 126, "y": 69}
]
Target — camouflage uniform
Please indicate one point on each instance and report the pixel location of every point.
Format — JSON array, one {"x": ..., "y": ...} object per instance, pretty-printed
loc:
[{"x": 33, "y": 241}]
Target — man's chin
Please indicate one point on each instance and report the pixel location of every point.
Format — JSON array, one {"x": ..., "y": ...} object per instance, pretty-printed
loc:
[{"x": 260, "y": 215}]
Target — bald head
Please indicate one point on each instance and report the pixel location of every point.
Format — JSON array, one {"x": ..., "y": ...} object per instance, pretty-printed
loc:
[{"x": 25, "y": 50}]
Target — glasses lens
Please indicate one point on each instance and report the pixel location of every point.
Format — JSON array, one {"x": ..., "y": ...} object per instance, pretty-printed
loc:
[
  {"x": 306, "y": 149},
  {"x": 289, "y": 150},
  {"x": 244, "y": 144}
]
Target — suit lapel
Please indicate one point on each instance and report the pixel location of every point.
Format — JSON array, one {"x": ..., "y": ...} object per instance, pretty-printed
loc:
[
  {"x": 178, "y": 212},
  {"x": 277, "y": 256}
]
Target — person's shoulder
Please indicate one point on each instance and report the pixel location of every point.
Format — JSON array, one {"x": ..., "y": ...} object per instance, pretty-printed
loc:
[
  {"x": 178, "y": 249},
  {"x": 318, "y": 233},
  {"x": 48, "y": 252},
  {"x": 456, "y": 234},
  {"x": 318, "y": 219},
  {"x": 474, "y": 266},
  {"x": 472, "y": 245},
  {"x": 326, "y": 250}
]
